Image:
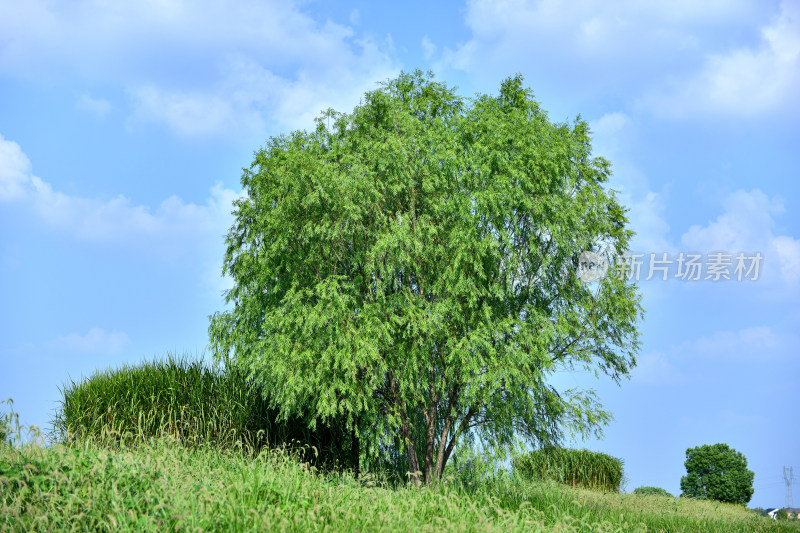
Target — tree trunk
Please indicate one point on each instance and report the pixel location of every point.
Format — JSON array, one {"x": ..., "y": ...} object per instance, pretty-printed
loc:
[
  {"x": 355, "y": 452},
  {"x": 413, "y": 463},
  {"x": 441, "y": 460},
  {"x": 411, "y": 450},
  {"x": 430, "y": 435},
  {"x": 456, "y": 433}
]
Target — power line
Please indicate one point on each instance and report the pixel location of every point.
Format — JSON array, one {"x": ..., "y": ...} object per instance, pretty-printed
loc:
[{"x": 788, "y": 476}]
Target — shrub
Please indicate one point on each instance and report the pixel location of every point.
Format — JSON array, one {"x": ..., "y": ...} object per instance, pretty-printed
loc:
[
  {"x": 782, "y": 514},
  {"x": 194, "y": 403},
  {"x": 651, "y": 491},
  {"x": 577, "y": 468}
]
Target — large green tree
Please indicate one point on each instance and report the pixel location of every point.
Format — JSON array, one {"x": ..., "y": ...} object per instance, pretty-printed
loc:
[
  {"x": 717, "y": 472},
  {"x": 410, "y": 268}
]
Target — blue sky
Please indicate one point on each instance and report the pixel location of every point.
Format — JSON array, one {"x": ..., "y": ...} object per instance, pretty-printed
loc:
[{"x": 124, "y": 127}]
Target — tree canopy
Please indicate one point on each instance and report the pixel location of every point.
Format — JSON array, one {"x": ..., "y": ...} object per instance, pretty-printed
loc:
[
  {"x": 410, "y": 267},
  {"x": 717, "y": 472}
]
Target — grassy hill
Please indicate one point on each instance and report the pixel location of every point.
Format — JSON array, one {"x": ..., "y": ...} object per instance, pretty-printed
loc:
[{"x": 161, "y": 485}]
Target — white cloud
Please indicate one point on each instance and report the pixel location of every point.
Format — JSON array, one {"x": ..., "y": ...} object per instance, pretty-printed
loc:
[
  {"x": 747, "y": 81},
  {"x": 746, "y": 220},
  {"x": 15, "y": 170},
  {"x": 96, "y": 341},
  {"x": 96, "y": 106},
  {"x": 608, "y": 129},
  {"x": 746, "y": 225},
  {"x": 755, "y": 343},
  {"x": 355, "y": 17},
  {"x": 671, "y": 59},
  {"x": 648, "y": 219},
  {"x": 428, "y": 48},
  {"x": 618, "y": 43},
  {"x": 247, "y": 96},
  {"x": 788, "y": 250},
  {"x": 168, "y": 229},
  {"x": 647, "y": 215},
  {"x": 123, "y": 41},
  {"x": 678, "y": 363},
  {"x": 655, "y": 368},
  {"x": 115, "y": 219},
  {"x": 186, "y": 113},
  {"x": 202, "y": 68}
]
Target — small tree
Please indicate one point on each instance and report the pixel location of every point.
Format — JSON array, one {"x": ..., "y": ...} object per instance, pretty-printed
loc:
[
  {"x": 412, "y": 268},
  {"x": 717, "y": 472}
]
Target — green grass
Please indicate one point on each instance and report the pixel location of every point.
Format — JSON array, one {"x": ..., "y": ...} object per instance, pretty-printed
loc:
[
  {"x": 128, "y": 458},
  {"x": 576, "y": 468},
  {"x": 164, "y": 485}
]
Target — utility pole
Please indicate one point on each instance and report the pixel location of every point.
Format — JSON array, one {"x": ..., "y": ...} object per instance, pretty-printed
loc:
[{"x": 788, "y": 476}]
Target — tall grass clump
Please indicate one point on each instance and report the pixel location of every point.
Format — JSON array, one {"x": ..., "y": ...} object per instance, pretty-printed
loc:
[
  {"x": 12, "y": 433},
  {"x": 187, "y": 400},
  {"x": 8, "y": 422},
  {"x": 576, "y": 468},
  {"x": 5, "y": 425},
  {"x": 175, "y": 397}
]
